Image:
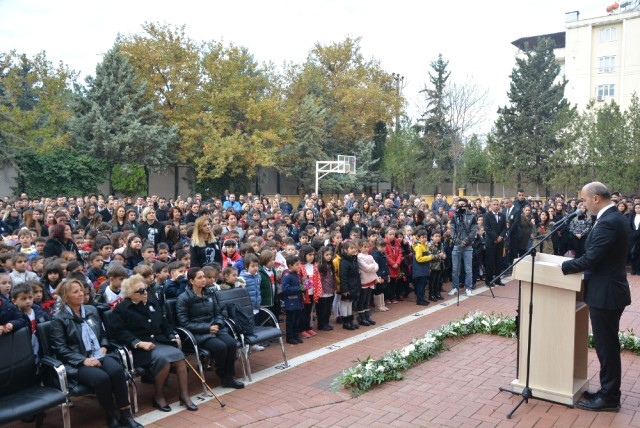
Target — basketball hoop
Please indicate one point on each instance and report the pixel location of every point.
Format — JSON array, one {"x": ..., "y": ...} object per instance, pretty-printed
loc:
[{"x": 344, "y": 165}]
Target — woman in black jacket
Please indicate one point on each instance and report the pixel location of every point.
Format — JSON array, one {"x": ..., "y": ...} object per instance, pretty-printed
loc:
[
  {"x": 204, "y": 246},
  {"x": 61, "y": 240},
  {"x": 78, "y": 340},
  {"x": 140, "y": 324},
  {"x": 198, "y": 311}
]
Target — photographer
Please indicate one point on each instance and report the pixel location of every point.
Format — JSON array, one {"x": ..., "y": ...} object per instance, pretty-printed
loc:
[{"x": 464, "y": 227}]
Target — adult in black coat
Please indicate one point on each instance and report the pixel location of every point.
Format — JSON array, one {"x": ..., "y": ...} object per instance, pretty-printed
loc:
[
  {"x": 198, "y": 311},
  {"x": 495, "y": 231},
  {"x": 140, "y": 324},
  {"x": 204, "y": 246},
  {"x": 606, "y": 291},
  {"x": 512, "y": 214},
  {"x": 150, "y": 229},
  {"x": 79, "y": 341},
  {"x": 61, "y": 240}
]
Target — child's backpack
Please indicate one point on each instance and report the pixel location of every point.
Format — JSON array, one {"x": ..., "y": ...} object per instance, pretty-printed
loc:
[{"x": 243, "y": 323}]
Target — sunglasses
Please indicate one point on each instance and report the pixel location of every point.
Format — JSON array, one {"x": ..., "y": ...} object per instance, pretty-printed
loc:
[{"x": 141, "y": 291}]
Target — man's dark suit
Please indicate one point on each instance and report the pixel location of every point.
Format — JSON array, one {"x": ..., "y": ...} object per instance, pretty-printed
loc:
[
  {"x": 606, "y": 292},
  {"x": 493, "y": 229},
  {"x": 106, "y": 215},
  {"x": 513, "y": 218}
]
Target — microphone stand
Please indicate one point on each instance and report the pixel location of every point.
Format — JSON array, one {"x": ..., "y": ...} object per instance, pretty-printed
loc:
[{"x": 527, "y": 393}]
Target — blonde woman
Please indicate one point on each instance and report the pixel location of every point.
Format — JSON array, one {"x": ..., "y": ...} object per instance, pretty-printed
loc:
[
  {"x": 79, "y": 341},
  {"x": 205, "y": 248}
]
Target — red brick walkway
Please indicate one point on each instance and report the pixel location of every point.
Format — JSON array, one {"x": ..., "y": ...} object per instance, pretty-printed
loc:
[{"x": 458, "y": 388}]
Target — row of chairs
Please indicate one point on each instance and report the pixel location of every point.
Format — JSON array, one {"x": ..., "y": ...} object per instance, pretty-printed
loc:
[
  {"x": 28, "y": 387},
  {"x": 268, "y": 330}
]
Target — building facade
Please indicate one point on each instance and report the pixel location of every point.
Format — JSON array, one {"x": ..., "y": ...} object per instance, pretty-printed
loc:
[{"x": 602, "y": 56}]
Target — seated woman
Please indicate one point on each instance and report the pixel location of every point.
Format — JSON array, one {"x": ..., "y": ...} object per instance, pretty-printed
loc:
[
  {"x": 78, "y": 340},
  {"x": 198, "y": 311},
  {"x": 139, "y": 323}
]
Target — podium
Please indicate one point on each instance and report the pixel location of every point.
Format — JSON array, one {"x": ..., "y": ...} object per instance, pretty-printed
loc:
[{"x": 559, "y": 331}]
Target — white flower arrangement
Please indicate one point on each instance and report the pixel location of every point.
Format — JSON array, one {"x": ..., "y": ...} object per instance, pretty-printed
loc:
[{"x": 370, "y": 372}]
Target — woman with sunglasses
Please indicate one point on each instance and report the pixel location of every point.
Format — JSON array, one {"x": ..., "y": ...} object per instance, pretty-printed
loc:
[
  {"x": 79, "y": 341},
  {"x": 139, "y": 323}
]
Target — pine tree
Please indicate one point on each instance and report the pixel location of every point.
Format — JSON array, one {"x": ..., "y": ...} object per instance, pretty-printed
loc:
[
  {"x": 115, "y": 120},
  {"x": 526, "y": 131},
  {"x": 437, "y": 143}
]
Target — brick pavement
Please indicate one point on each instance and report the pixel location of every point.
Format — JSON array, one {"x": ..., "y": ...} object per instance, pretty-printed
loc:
[{"x": 458, "y": 388}]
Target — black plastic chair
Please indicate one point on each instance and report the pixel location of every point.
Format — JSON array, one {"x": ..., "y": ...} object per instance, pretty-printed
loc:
[
  {"x": 189, "y": 343},
  {"x": 126, "y": 357},
  {"x": 261, "y": 333},
  {"x": 21, "y": 393},
  {"x": 74, "y": 388}
]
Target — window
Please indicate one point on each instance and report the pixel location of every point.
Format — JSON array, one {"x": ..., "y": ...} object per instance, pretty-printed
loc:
[
  {"x": 608, "y": 34},
  {"x": 606, "y": 91},
  {"x": 607, "y": 64}
]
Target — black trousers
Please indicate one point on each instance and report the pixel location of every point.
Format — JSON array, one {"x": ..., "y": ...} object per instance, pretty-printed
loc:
[
  {"x": 493, "y": 261},
  {"x": 223, "y": 350},
  {"x": 605, "y": 325},
  {"x": 307, "y": 313},
  {"x": 293, "y": 324},
  {"x": 323, "y": 311},
  {"x": 106, "y": 381},
  {"x": 364, "y": 298}
]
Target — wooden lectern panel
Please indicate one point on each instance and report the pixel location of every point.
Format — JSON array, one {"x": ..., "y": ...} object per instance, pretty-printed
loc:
[{"x": 559, "y": 331}]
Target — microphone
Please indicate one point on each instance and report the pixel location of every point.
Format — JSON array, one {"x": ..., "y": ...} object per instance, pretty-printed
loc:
[
  {"x": 575, "y": 213},
  {"x": 567, "y": 218}
]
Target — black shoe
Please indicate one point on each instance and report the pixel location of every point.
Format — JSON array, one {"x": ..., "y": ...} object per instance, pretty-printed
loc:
[
  {"x": 191, "y": 407},
  {"x": 588, "y": 395},
  {"x": 164, "y": 408},
  {"x": 292, "y": 342},
  {"x": 599, "y": 404},
  {"x": 501, "y": 283},
  {"x": 362, "y": 320},
  {"x": 439, "y": 296},
  {"x": 325, "y": 328},
  {"x": 422, "y": 303},
  {"x": 230, "y": 382},
  {"x": 367, "y": 316},
  {"x": 126, "y": 420},
  {"x": 112, "y": 421},
  {"x": 433, "y": 298}
]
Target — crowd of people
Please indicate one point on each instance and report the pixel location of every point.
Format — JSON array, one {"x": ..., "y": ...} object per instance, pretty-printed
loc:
[{"x": 320, "y": 261}]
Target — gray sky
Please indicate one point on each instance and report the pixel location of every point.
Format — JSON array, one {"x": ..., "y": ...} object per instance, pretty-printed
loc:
[{"x": 405, "y": 35}]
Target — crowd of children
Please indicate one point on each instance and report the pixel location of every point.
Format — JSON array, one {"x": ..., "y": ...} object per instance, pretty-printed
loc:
[{"x": 339, "y": 258}]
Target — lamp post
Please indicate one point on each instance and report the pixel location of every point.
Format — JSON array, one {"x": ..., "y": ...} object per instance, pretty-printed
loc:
[{"x": 399, "y": 81}]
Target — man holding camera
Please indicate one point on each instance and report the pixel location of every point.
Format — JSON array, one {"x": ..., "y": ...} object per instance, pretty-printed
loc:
[{"x": 464, "y": 227}]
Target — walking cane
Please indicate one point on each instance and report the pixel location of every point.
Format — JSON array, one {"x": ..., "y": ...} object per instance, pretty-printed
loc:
[{"x": 205, "y": 383}]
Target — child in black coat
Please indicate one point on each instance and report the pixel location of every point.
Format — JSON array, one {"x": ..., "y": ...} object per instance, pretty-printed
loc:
[
  {"x": 383, "y": 274},
  {"x": 349, "y": 284}
]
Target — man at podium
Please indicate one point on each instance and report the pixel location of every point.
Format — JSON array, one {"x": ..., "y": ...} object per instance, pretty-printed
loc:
[{"x": 606, "y": 291}]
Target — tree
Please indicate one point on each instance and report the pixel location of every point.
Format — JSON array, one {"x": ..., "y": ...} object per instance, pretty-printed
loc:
[
  {"x": 242, "y": 124},
  {"x": 115, "y": 120},
  {"x": 401, "y": 156},
  {"x": 34, "y": 95},
  {"x": 467, "y": 106},
  {"x": 166, "y": 58},
  {"x": 475, "y": 162},
  {"x": 58, "y": 172},
  {"x": 527, "y": 129},
  {"x": 310, "y": 134},
  {"x": 358, "y": 97},
  {"x": 436, "y": 154}
]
